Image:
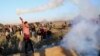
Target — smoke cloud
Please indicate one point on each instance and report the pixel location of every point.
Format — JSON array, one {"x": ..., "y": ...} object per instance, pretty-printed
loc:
[
  {"x": 87, "y": 9},
  {"x": 50, "y": 5},
  {"x": 84, "y": 36}
]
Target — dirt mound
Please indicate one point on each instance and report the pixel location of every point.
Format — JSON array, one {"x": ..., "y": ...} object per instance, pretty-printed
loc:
[{"x": 57, "y": 51}]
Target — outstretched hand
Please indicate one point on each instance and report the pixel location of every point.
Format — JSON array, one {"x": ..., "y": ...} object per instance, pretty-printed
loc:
[{"x": 21, "y": 19}]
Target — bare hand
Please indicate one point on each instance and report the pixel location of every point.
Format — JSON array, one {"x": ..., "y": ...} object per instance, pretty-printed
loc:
[{"x": 21, "y": 19}]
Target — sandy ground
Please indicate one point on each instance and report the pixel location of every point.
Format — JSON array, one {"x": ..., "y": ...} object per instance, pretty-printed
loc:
[{"x": 52, "y": 51}]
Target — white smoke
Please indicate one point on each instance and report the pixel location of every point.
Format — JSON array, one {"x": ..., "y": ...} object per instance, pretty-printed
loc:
[
  {"x": 50, "y": 5},
  {"x": 84, "y": 36},
  {"x": 87, "y": 9}
]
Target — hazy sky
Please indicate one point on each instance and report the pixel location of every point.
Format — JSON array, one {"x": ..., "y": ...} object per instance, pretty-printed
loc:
[{"x": 66, "y": 9}]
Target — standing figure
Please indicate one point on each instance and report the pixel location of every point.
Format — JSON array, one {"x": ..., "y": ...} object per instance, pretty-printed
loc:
[{"x": 26, "y": 34}]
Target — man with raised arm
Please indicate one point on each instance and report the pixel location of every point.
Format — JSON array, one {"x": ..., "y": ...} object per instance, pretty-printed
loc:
[{"x": 26, "y": 34}]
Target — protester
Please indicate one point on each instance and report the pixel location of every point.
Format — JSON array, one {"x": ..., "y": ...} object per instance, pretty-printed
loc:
[
  {"x": 43, "y": 32},
  {"x": 33, "y": 30},
  {"x": 7, "y": 34},
  {"x": 26, "y": 33},
  {"x": 49, "y": 34}
]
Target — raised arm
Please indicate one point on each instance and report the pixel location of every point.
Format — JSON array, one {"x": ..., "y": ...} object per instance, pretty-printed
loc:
[{"x": 21, "y": 20}]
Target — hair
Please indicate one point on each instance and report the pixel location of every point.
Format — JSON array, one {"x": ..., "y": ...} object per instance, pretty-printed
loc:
[{"x": 25, "y": 22}]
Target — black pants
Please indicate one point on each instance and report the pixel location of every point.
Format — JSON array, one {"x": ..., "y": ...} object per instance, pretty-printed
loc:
[{"x": 28, "y": 44}]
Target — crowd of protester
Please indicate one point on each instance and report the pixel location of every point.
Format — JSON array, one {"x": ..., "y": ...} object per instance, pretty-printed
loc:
[{"x": 41, "y": 33}]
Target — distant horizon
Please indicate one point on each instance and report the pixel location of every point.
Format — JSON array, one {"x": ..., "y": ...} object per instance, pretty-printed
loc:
[{"x": 33, "y": 22}]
